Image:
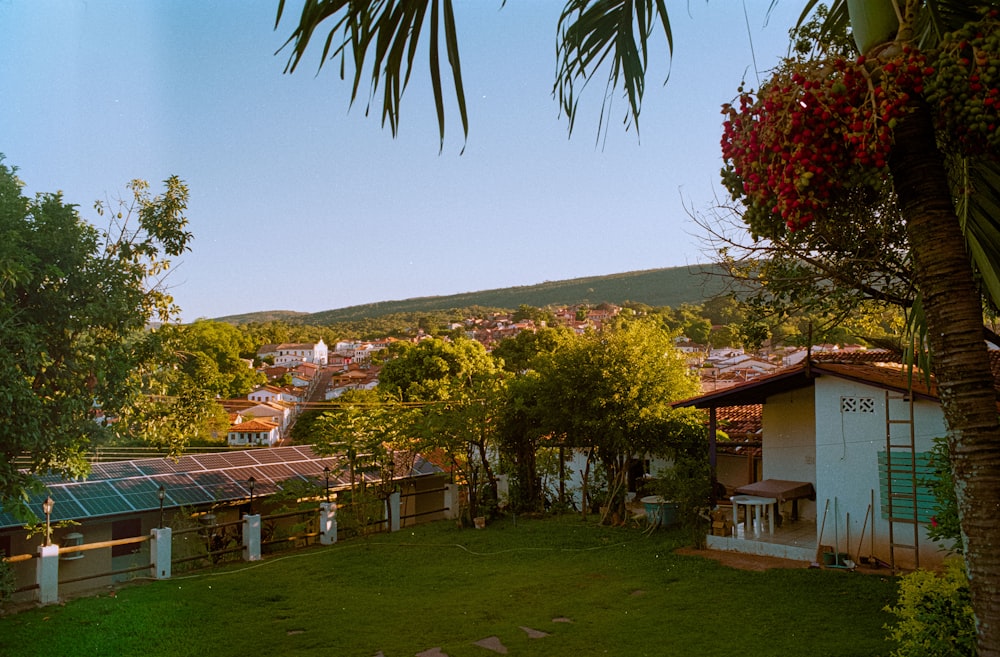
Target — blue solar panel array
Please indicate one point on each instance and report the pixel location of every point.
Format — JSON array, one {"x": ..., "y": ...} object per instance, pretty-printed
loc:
[{"x": 122, "y": 487}]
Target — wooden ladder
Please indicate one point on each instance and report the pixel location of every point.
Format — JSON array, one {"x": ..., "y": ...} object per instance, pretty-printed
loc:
[{"x": 901, "y": 482}]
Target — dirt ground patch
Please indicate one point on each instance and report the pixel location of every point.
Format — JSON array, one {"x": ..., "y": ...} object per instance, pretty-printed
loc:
[
  {"x": 756, "y": 562},
  {"x": 743, "y": 561}
]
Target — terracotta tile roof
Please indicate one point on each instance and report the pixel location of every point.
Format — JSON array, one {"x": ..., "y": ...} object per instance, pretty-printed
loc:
[
  {"x": 740, "y": 421},
  {"x": 257, "y": 424},
  {"x": 882, "y": 369},
  {"x": 863, "y": 356},
  {"x": 893, "y": 376},
  {"x": 236, "y": 405}
]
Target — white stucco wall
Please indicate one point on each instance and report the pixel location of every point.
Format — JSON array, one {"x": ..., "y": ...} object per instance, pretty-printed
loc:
[
  {"x": 849, "y": 437},
  {"x": 575, "y": 464},
  {"x": 789, "y": 441},
  {"x": 734, "y": 471}
]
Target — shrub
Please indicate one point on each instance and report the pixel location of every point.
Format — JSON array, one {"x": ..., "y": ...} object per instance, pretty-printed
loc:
[
  {"x": 7, "y": 579},
  {"x": 945, "y": 524},
  {"x": 688, "y": 483},
  {"x": 935, "y": 614}
]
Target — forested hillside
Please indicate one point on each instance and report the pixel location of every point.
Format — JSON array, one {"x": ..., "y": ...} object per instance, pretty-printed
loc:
[{"x": 671, "y": 286}]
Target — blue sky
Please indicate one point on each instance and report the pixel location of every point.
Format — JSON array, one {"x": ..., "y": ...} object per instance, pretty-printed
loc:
[{"x": 299, "y": 202}]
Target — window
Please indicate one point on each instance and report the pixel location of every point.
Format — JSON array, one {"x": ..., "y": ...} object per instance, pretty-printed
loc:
[{"x": 71, "y": 540}]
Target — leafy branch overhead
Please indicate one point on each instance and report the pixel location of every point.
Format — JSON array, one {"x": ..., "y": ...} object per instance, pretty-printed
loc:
[{"x": 379, "y": 39}]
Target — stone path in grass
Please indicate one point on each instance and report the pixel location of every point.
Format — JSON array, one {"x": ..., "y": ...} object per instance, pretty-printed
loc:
[{"x": 491, "y": 643}]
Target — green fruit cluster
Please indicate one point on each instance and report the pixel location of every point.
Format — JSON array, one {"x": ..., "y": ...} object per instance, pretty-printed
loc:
[{"x": 965, "y": 91}]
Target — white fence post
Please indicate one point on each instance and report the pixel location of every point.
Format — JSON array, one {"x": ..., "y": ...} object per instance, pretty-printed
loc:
[
  {"x": 47, "y": 574},
  {"x": 160, "y": 552},
  {"x": 251, "y": 537},
  {"x": 503, "y": 491},
  {"x": 450, "y": 502},
  {"x": 327, "y": 523},
  {"x": 393, "y": 501}
]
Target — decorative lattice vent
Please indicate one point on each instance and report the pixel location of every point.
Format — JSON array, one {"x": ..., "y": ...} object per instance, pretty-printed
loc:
[{"x": 857, "y": 405}]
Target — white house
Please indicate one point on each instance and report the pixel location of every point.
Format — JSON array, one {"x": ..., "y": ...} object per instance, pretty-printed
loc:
[
  {"x": 360, "y": 353},
  {"x": 269, "y": 393},
  {"x": 256, "y": 432},
  {"x": 290, "y": 353},
  {"x": 275, "y": 411},
  {"x": 827, "y": 425},
  {"x": 303, "y": 374},
  {"x": 265, "y": 394}
]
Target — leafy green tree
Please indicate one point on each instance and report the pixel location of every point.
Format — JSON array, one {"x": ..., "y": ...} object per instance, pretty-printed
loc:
[
  {"x": 270, "y": 332},
  {"x": 464, "y": 430},
  {"x": 519, "y": 437},
  {"x": 537, "y": 315},
  {"x": 519, "y": 429},
  {"x": 74, "y": 305},
  {"x": 433, "y": 370},
  {"x": 209, "y": 355},
  {"x": 172, "y": 422},
  {"x": 375, "y": 437},
  {"x": 461, "y": 385},
  {"x": 611, "y": 391},
  {"x": 723, "y": 309},
  {"x": 355, "y": 429},
  {"x": 194, "y": 366},
  {"x": 698, "y": 329},
  {"x": 518, "y": 352}
]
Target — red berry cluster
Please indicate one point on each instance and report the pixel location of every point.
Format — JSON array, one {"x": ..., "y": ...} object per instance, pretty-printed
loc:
[
  {"x": 813, "y": 131},
  {"x": 964, "y": 93}
]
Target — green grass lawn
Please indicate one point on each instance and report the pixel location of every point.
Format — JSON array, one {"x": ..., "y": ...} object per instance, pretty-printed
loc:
[{"x": 622, "y": 591}]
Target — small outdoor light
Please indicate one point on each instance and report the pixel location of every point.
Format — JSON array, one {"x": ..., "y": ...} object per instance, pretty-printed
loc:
[
  {"x": 250, "y": 482},
  {"x": 326, "y": 474},
  {"x": 47, "y": 508},
  {"x": 161, "y": 494}
]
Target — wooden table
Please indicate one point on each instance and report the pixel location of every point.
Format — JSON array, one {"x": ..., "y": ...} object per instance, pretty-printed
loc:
[{"x": 781, "y": 490}]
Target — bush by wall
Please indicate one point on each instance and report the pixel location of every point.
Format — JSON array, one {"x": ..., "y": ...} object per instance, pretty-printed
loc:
[{"x": 934, "y": 614}]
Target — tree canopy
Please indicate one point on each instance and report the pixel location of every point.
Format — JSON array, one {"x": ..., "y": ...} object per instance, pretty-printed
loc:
[
  {"x": 612, "y": 391},
  {"x": 75, "y": 302}
]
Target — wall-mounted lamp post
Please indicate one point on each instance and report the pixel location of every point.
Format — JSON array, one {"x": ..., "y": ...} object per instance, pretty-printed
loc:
[
  {"x": 326, "y": 474},
  {"x": 161, "y": 494},
  {"x": 250, "y": 482},
  {"x": 47, "y": 508}
]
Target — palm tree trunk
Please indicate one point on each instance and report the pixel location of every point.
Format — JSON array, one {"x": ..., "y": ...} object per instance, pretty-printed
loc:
[{"x": 961, "y": 363}]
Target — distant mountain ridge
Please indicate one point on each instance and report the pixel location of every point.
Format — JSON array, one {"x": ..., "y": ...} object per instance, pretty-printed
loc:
[{"x": 670, "y": 286}]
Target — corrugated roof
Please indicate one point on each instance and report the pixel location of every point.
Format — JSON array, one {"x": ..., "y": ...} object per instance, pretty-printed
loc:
[{"x": 123, "y": 487}]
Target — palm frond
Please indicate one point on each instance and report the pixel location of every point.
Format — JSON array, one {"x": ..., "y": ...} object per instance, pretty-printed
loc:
[
  {"x": 837, "y": 19},
  {"x": 941, "y": 16},
  {"x": 388, "y": 32},
  {"x": 978, "y": 208},
  {"x": 915, "y": 350},
  {"x": 592, "y": 33}
]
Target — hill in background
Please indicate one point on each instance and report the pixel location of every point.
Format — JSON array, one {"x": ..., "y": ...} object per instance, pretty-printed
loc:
[{"x": 670, "y": 286}]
